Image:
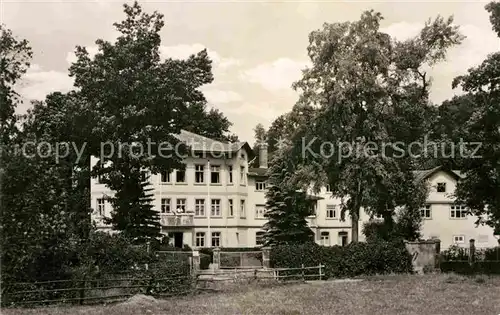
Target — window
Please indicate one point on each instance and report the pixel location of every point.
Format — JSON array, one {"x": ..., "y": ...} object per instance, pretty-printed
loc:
[
  {"x": 199, "y": 207},
  {"x": 215, "y": 239},
  {"x": 325, "y": 238},
  {"x": 165, "y": 177},
  {"x": 230, "y": 174},
  {"x": 165, "y": 205},
  {"x": 259, "y": 211},
  {"x": 441, "y": 187},
  {"x": 426, "y": 212},
  {"x": 199, "y": 174},
  {"x": 328, "y": 188},
  {"x": 101, "y": 208},
  {"x": 259, "y": 238},
  {"x": 483, "y": 238},
  {"x": 180, "y": 176},
  {"x": 242, "y": 175},
  {"x": 215, "y": 209},
  {"x": 231, "y": 208},
  {"x": 181, "y": 205},
  {"x": 260, "y": 186},
  {"x": 200, "y": 239},
  {"x": 458, "y": 211},
  {"x": 458, "y": 239},
  {"x": 215, "y": 174},
  {"x": 99, "y": 179},
  {"x": 331, "y": 212},
  {"x": 242, "y": 208}
]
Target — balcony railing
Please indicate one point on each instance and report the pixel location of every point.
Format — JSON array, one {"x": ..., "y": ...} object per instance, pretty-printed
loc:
[{"x": 181, "y": 219}]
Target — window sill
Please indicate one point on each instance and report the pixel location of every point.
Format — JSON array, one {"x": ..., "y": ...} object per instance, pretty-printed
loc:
[
  {"x": 215, "y": 184},
  {"x": 458, "y": 218},
  {"x": 230, "y": 184},
  {"x": 332, "y": 219},
  {"x": 200, "y": 216},
  {"x": 163, "y": 183},
  {"x": 215, "y": 217},
  {"x": 200, "y": 184},
  {"x": 259, "y": 218},
  {"x": 181, "y": 184}
]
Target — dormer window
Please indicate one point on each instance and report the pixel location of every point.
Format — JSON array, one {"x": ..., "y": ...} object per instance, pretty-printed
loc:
[{"x": 441, "y": 187}]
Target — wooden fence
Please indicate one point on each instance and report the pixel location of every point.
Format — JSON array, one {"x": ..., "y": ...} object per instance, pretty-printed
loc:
[{"x": 87, "y": 291}]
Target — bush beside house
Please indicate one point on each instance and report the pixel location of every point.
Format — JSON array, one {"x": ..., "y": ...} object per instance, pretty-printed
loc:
[{"x": 353, "y": 260}]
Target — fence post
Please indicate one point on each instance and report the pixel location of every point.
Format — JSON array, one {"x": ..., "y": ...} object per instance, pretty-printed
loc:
[
  {"x": 472, "y": 252},
  {"x": 196, "y": 262},
  {"x": 266, "y": 257},
  {"x": 216, "y": 257},
  {"x": 82, "y": 290},
  {"x": 303, "y": 276},
  {"x": 147, "y": 249},
  {"x": 320, "y": 271}
]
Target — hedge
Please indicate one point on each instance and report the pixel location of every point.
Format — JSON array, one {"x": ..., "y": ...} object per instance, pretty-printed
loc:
[
  {"x": 353, "y": 260},
  {"x": 464, "y": 268}
]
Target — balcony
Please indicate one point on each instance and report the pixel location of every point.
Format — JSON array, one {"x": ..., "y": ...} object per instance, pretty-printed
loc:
[{"x": 177, "y": 220}]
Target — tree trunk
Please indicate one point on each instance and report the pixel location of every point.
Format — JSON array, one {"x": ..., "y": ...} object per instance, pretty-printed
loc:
[
  {"x": 355, "y": 225},
  {"x": 355, "y": 215}
]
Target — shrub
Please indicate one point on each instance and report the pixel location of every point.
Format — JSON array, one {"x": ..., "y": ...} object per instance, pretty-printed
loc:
[
  {"x": 353, "y": 260},
  {"x": 455, "y": 253}
]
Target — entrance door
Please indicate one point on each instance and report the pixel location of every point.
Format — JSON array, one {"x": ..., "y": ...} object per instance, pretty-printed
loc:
[
  {"x": 178, "y": 239},
  {"x": 343, "y": 238}
]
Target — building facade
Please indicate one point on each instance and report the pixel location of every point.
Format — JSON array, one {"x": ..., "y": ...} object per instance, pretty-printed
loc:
[{"x": 219, "y": 201}]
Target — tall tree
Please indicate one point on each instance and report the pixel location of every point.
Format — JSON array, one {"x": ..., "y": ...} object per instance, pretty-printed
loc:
[
  {"x": 370, "y": 90},
  {"x": 287, "y": 208},
  {"x": 211, "y": 124},
  {"x": 15, "y": 57},
  {"x": 479, "y": 189},
  {"x": 140, "y": 102}
]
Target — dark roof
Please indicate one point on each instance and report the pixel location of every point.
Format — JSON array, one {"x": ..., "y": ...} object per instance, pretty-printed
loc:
[
  {"x": 424, "y": 174},
  {"x": 258, "y": 172},
  {"x": 200, "y": 143}
]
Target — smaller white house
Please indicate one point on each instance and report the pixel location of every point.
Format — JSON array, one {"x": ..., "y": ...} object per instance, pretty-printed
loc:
[{"x": 446, "y": 220}]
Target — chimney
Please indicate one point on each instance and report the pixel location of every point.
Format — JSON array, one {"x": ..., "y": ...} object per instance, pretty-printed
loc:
[{"x": 263, "y": 155}]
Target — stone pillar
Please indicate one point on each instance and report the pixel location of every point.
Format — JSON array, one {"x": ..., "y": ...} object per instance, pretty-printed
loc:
[
  {"x": 437, "y": 260},
  {"x": 196, "y": 262},
  {"x": 472, "y": 251},
  {"x": 216, "y": 258},
  {"x": 266, "y": 257}
]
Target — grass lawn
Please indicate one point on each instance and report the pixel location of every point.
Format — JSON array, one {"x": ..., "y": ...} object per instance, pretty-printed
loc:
[{"x": 388, "y": 295}]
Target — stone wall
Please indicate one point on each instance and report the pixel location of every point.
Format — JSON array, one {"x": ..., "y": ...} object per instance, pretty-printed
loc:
[{"x": 425, "y": 255}]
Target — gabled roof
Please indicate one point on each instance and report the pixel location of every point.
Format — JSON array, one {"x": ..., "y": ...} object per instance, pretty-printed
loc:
[
  {"x": 424, "y": 174},
  {"x": 200, "y": 143}
]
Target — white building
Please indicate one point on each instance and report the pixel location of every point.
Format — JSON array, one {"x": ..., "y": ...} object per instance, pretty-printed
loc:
[{"x": 219, "y": 201}]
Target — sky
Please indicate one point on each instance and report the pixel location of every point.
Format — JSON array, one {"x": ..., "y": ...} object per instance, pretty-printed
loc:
[{"x": 258, "y": 48}]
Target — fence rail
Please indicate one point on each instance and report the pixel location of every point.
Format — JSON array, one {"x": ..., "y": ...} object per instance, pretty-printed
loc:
[{"x": 84, "y": 291}]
